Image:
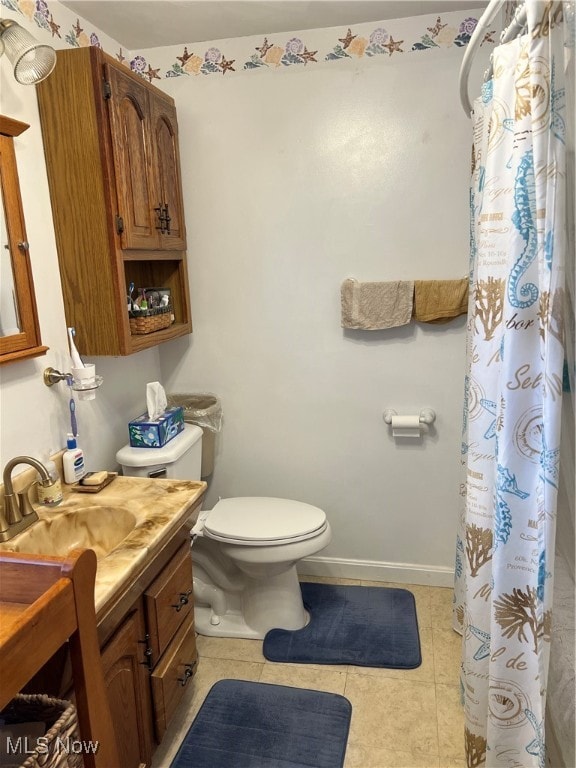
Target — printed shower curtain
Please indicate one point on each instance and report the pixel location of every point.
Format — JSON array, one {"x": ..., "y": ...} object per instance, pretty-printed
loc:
[{"x": 513, "y": 395}]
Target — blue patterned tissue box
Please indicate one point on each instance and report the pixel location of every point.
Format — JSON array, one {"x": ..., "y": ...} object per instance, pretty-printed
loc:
[{"x": 145, "y": 433}]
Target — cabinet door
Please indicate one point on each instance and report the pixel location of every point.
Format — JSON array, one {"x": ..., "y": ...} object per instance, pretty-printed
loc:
[
  {"x": 128, "y": 689},
  {"x": 169, "y": 185},
  {"x": 129, "y": 111}
]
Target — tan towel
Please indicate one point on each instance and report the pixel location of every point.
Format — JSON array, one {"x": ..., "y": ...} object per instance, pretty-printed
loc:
[
  {"x": 439, "y": 301},
  {"x": 373, "y": 306}
]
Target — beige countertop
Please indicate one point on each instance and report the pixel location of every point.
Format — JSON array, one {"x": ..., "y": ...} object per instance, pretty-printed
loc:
[{"x": 126, "y": 523}]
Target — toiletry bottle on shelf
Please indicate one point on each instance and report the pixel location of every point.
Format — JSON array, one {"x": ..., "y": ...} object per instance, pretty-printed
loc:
[
  {"x": 51, "y": 496},
  {"x": 73, "y": 462}
]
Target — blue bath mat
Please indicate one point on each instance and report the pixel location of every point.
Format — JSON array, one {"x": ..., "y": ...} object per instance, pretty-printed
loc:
[
  {"x": 260, "y": 725},
  {"x": 363, "y": 626}
]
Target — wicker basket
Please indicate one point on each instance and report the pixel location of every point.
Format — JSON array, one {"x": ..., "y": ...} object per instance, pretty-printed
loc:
[
  {"x": 150, "y": 320},
  {"x": 61, "y": 731}
]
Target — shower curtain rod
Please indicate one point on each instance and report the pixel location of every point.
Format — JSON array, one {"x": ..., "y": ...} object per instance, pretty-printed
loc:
[{"x": 514, "y": 28}]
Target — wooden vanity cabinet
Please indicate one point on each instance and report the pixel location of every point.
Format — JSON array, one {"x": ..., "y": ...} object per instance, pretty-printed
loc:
[
  {"x": 149, "y": 655},
  {"x": 127, "y": 686},
  {"x": 112, "y": 157}
]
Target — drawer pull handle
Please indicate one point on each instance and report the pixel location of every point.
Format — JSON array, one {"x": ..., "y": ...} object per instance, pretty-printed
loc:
[
  {"x": 188, "y": 672},
  {"x": 184, "y": 599}
]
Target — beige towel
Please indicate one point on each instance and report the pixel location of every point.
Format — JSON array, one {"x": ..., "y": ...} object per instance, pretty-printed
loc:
[
  {"x": 373, "y": 306},
  {"x": 439, "y": 301}
]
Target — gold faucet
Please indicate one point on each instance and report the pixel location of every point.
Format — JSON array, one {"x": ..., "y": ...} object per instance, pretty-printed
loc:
[{"x": 18, "y": 512}]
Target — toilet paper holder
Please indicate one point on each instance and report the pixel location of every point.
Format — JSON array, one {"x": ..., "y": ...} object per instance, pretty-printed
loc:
[
  {"x": 410, "y": 426},
  {"x": 426, "y": 416}
]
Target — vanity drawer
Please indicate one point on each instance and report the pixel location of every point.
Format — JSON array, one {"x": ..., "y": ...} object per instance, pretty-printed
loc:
[
  {"x": 169, "y": 601},
  {"x": 171, "y": 676}
]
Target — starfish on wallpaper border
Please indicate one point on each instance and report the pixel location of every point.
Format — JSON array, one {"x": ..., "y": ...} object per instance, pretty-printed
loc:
[
  {"x": 54, "y": 28},
  {"x": 185, "y": 56},
  {"x": 307, "y": 55},
  {"x": 77, "y": 28},
  {"x": 393, "y": 45},
  {"x": 347, "y": 40},
  {"x": 264, "y": 48},
  {"x": 436, "y": 28},
  {"x": 226, "y": 65},
  {"x": 484, "y": 637},
  {"x": 152, "y": 74}
]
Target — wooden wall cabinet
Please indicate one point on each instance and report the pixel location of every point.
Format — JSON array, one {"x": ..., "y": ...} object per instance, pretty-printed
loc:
[{"x": 111, "y": 146}]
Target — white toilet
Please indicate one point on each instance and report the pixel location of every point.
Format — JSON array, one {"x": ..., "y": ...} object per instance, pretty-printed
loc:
[{"x": 245, "y": 549}]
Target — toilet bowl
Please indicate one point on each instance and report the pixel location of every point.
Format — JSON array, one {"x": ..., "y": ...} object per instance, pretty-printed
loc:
[{"x": 244, "y": 550}]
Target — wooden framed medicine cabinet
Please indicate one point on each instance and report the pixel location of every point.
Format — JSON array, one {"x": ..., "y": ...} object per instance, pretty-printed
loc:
[{"x": 19, "y": 327}]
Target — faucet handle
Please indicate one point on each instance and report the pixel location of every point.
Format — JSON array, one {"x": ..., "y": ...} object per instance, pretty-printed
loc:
[
  {"x": 12, "y": 512},
  {"x": 26, "y": 507}
]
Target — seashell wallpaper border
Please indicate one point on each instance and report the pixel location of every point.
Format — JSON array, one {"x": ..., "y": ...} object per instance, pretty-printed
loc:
[{"x": 387, "y": 40}]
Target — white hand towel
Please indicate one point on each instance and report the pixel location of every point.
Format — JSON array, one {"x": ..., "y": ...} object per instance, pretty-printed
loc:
[{"x": 374, "y": 306}]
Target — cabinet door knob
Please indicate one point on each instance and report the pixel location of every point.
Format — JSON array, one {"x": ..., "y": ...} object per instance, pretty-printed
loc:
[
  {"x": 147, "y": 651},
  {"x": 184, "y": 600}
]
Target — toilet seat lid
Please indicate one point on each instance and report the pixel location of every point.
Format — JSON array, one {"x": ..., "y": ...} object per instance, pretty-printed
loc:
[{"x": 261, "y": 519}]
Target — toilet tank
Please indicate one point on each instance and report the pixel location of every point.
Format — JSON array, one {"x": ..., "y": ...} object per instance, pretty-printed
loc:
[{"x": 179, "y": 459}]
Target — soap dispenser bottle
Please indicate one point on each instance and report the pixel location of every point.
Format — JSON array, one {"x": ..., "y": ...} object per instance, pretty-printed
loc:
[{"x": 73, "y": 462}]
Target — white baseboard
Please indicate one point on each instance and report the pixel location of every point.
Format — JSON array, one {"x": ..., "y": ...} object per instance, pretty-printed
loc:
[{"x": 374, "y": 570}]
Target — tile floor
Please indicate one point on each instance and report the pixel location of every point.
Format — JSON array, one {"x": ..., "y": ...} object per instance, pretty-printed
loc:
[{"x": 400, "y": 718}]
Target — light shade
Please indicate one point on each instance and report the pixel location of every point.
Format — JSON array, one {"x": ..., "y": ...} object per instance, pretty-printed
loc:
[{"x": 32, "y": 61}]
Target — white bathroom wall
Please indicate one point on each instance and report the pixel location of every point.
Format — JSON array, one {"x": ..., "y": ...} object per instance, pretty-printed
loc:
[
  {"x": 34, "y": 420},
  {"x": 296, "y": 178}
]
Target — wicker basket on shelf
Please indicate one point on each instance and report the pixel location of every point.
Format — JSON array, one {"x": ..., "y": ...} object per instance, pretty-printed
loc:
[
  {"x": 150, "y": 320},
  {"x": 55, "y": 750}
]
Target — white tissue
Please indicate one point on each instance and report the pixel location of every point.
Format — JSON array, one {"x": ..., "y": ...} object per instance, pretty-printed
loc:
[{"x": 156, "y": 400}]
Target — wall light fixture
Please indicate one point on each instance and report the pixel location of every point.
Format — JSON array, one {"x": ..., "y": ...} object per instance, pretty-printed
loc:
[{"x": 32, "y": 61}]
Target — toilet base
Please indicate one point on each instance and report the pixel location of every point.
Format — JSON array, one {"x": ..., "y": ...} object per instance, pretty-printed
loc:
[
  {"x": 231, "y": 625},
  {"x": 259, "y": 606}
]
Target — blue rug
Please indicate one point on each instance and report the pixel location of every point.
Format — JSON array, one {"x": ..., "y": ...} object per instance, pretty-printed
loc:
[
  {"x": 259, "y": 725},
  {"x": 363, "y": 626}
]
